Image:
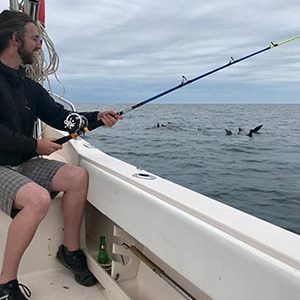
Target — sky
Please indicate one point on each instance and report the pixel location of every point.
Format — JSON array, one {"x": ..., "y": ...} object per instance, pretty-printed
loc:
[{"x": 116, "y": 51}]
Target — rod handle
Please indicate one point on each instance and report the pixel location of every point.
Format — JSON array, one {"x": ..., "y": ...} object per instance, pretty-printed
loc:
[{"x": 63, "y": 140}]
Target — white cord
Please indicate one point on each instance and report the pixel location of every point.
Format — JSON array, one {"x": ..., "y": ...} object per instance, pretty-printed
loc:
[{"x": 45, "y": 64}]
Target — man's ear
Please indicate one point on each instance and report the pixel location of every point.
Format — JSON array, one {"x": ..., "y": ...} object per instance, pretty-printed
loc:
[{"x": 15, "y": 39}]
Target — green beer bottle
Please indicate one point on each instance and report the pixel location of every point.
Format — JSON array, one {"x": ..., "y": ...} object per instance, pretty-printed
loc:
[{"x": 103, "y": 257}]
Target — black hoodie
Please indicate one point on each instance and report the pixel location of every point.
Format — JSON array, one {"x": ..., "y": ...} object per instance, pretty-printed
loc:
[{"x": 22, "y": 101}]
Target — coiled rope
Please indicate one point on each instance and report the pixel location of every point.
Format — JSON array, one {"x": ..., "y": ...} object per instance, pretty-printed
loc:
[{"x": 45, "y": 60}]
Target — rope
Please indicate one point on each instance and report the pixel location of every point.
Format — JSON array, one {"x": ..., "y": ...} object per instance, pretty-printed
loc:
[{"x": 45, "y": 63}]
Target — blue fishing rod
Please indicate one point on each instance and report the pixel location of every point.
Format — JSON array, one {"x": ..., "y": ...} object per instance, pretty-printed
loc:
[{"x": 82, "y": 126}]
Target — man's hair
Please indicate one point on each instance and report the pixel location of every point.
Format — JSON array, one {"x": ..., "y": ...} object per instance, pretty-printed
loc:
[{"x": 12, "y": 22}]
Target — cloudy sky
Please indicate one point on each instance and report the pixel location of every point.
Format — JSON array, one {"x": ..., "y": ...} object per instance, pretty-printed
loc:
[{"x": 116, "y": 51}]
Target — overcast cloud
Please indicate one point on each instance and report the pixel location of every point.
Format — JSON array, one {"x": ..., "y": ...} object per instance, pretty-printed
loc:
[{"x": 126, "y": 51}]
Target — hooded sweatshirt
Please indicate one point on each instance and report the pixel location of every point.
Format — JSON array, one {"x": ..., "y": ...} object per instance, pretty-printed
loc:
[{"x": 22, "y": 101}]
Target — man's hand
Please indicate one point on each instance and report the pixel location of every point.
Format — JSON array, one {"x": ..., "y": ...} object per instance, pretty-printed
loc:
[
  {"x": 109, "y": 118},
  {"x": 46, "y": 147}
]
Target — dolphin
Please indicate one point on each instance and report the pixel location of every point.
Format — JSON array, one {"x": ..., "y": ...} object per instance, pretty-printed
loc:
[
  {"x": 255, "y": 130},
  {"x": 228, "y": 132},
  {"x": 240, "y": 130}
]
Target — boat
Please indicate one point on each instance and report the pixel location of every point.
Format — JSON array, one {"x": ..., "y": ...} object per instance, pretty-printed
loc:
[{"x": 166, "y": 242}]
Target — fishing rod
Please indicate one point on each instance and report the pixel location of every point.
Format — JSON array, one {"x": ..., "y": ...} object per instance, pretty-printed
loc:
[{"x": 84, "y": 127}]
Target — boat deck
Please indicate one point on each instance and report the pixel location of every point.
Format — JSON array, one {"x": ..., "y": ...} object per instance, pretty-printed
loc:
[{"x": 59, "y": 284}]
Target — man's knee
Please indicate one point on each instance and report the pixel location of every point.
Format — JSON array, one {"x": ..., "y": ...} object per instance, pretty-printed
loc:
[
  {"x": 76, "y": 176},
  {"x": 33, "y": 198},
  {"x": 70, "y": 178},
  {"x": 82, "y": 175}
]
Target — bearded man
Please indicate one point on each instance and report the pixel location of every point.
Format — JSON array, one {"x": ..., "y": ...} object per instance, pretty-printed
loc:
[{"x": 28, "y": 185}]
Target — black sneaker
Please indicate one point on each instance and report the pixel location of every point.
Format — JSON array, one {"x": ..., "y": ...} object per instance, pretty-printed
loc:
[
  {"x": 76, "y": 262},
  {"x": 11, "y": 291}
]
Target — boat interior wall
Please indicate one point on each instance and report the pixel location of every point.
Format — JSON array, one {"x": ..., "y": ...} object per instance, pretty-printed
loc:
[{"x": 132, "y": 275}]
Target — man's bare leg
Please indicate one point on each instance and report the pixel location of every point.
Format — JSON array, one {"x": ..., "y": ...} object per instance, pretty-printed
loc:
[
  {"x": 34, "y": 201},
  {"x": 74, "y": 182}
]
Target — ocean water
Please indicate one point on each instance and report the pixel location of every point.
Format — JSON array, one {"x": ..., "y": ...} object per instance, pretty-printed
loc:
[{"x": 258, "y": 175}]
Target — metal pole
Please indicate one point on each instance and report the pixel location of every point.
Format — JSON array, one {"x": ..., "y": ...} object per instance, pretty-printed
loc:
[
  {"x": 32, "y": 8},
  {"x": 184, "y": 293},
  {"x": 14, "y": 5}
]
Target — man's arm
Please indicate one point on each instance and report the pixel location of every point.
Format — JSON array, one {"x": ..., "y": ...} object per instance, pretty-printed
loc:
[{"x": 54, "y": 114}]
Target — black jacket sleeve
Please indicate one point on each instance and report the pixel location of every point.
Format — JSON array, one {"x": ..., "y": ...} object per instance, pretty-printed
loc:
[
  {"x": 16, "y": 142},
  {"x": 53, "y": 113}
]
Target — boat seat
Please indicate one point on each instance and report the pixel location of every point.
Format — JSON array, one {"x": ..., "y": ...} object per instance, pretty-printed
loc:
[{"x": 4, "y": 225}]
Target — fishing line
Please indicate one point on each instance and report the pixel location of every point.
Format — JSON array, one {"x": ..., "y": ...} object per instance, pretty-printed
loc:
[{"x": 183, "y": 83}]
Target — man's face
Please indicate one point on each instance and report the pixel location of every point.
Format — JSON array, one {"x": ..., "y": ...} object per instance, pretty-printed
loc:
[{"x": 31, "y": 43}]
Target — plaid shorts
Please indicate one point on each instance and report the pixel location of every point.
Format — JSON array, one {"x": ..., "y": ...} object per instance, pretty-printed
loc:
[{"x": 39, "y": 170}]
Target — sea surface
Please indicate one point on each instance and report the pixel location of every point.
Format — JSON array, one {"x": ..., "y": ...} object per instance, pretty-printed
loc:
[{"x": 259, "y": 175}]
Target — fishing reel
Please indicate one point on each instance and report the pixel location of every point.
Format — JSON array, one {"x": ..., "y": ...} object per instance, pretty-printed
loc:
[{"x": 76, "y": 123}]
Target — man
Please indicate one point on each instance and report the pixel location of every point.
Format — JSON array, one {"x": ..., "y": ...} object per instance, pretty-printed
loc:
[{"x": 28, "y": 184}]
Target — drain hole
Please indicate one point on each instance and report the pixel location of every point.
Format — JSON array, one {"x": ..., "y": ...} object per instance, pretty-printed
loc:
[{"x": 144, "y": 176}]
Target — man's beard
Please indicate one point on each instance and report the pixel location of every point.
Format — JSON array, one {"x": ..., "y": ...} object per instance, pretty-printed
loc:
[{"x": 26, "y": 56}]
